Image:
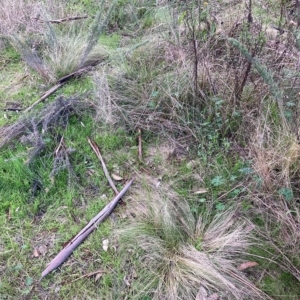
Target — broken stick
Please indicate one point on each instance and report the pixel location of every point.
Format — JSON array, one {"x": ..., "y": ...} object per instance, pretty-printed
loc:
[
  {"x": 140, "y": 152},
  {"x": 62, "y": 256},
  {"x": 45, "y": 95},
  {"x": 58, "y": 21},
  {"x": 60, "y": 82},
  {"x": 106, "y": 173}
]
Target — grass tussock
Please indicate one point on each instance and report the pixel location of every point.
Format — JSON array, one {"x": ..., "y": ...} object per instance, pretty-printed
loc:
[
  {"x": 18, "y": 16},
  {"x": 63, "y": 49},
  {"x": 181, "y": 253},
  {"x": 276, "y": 155}
]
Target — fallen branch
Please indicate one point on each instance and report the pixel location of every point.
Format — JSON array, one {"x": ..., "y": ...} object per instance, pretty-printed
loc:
[
  {"x": 90, "y": 274},
  {"x": 45, "y": 95},
  {"x": 106, "y": 173},
  {"x": 60, "y": 82},
  {"x": 59, "y": 146},
  {"x": 58, "y": 21},
  {"x": 62, "y": 256},
  {"x": 77, "y": 73},
  {"x": 140, "y": 152},
  {"x": 12, "y": 109}
]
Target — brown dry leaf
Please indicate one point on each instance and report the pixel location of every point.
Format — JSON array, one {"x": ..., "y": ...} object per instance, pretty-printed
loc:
[
  {"x": 201, "y": 191},
  {"x": 116, "y": 177},
  {"x": 134, "y": 274},
  {"x": 247, "y": 265},
  {"x": 98, "y": 276},
  {"x": 126, "y": 281},
  {"x": 36, "y": 252}
]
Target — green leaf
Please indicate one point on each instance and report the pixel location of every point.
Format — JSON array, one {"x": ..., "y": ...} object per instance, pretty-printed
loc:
[
  {"x": 152, "y": 104},
  {"x": 217, "y": 181},
  {"x": 29, "y": 281},
  {"x": 286, "y": 193},
  {"x": 246, "y": 170},
  {"x": 220, "y": 206},
  {"x": 154, "y": 94}
]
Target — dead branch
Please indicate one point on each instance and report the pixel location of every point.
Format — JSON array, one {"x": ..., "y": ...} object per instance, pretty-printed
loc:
[
  {"x": 62, "y": 256},
  {"x": 77, "y": 73},
  {"x": 12, "y": 109},
  {"x": 60, "y": 82},
  {"x": 59, "y": 146},
  {"x": 58, "y": 21},
  {"x": 106, "y": 173},
  {"x": 45, "y": 95},
  {"x": 140, "y": 152}
]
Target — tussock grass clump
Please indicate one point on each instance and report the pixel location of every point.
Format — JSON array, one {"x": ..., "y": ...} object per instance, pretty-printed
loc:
[
  {"x": 18, "y": 16},
  {"x": 276, "y": 155},
  {"x": 181, "y": 253},
  {"x": 64, "y": 51},
  {"x": 64, "y": 48}
]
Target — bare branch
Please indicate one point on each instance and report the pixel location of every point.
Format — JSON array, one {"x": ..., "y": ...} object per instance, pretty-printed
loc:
[
  {"x": 140, "y": 145},
  {"x": 106, "y": 173},
  {"x": 58, "y": 21},
  {"x": 45, "y": 95},
  {"x": 62, "y": 256}
]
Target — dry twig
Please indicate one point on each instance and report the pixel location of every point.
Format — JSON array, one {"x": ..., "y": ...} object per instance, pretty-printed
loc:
[
  {"x": 45, "y": 95},
  {"x": 60, "y": 82},
  {"x": 58, "y": 21},
  {"x": 106, "y": 173},
  {"x": 140, "y": 145}
]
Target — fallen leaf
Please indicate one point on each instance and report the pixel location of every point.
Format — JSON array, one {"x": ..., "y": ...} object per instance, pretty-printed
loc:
[
  {"x": 36, "y": 252},
  {"x": 201, "y": 191},
  {"x": 105, "y": 245},
  {"x": 116, "y": 177},
  {"x": 134, "y": 274},
  {"x": 126, "y": 281},
  {"x": 247, "y": 265},
  {"x": 98, "y": 276}
]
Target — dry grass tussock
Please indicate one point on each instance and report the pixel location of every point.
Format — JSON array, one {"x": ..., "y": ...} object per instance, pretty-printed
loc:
[
  {"x": 65, "y": 55},
  {"x": 180, "y": 253},
  {"x": 60, "y": 49},
  {"x": 153, "y": 88},
  {"x": 276, "y": 153},
  {"x": 18, "y": 16},
  {"x": 281, "y": 231},
  {"x": 22, "y": 16}
]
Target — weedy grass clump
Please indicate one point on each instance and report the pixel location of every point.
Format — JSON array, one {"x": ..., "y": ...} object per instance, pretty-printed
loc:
[
  {"x": 63, "y": 49},
  {"x": 181, "y": 253}
]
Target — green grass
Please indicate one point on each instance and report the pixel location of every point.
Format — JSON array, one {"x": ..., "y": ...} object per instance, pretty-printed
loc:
[
  {"x": 57, "y": 213},
  {"x": 202, "y": 156}
]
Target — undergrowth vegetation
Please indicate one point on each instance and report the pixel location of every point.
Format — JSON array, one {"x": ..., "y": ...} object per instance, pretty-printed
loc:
[{"x": 209, "y": 90}]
